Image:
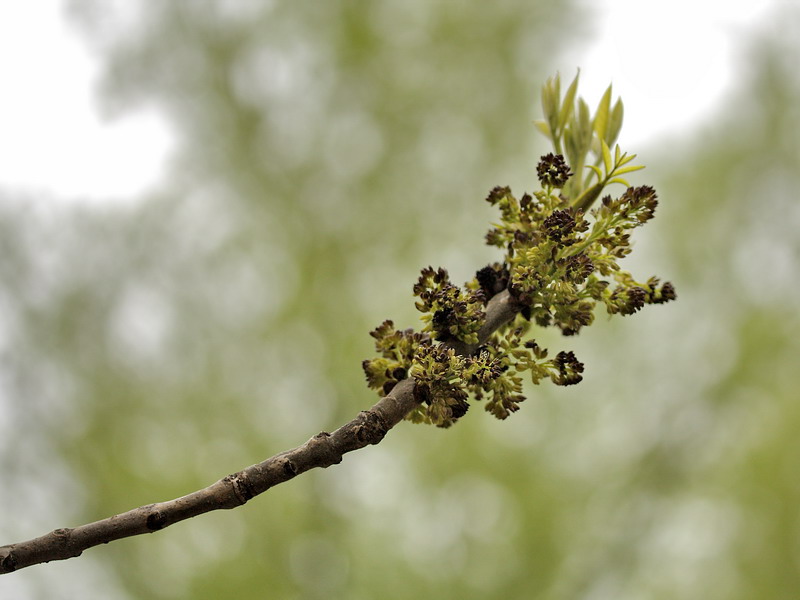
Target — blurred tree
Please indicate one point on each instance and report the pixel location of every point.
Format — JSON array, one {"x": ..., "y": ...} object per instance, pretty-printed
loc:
[{"x": 327, "y": 152}]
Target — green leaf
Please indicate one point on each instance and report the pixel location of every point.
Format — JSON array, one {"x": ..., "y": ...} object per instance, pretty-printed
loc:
[
  {"x": 630, "y": 169},
  {"x": 583, "y": 114},
  {"x": 615, "y": 124},
  {"x": 551, "y": 96},
  {"x": 568, "y": 105},
  {"x": 583, "y": 134},
  {"x": 619, "y": 180},
  {"x": 597, "y": 171},
  {"x": 548, "y": 103},
  {"x": 601, "y": 117},
  {"x": 606, "y": 156},
  {"x": 625, "y": 159},
  {"x": 572, "y": 145}
]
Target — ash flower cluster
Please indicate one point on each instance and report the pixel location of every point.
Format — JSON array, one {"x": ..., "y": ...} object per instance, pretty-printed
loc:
[{"x": 561, "y": 259}]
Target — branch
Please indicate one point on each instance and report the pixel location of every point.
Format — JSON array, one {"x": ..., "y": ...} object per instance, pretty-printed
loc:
[{"x": 322, "y": 450}]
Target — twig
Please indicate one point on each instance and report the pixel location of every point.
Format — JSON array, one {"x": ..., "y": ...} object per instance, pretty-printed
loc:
[{"x": 322, "y": 450}]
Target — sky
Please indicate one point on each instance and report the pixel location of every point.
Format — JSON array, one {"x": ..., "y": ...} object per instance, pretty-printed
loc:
[
  {"x": 672, "y": 62},
  {"x": 53, "y": 140}
]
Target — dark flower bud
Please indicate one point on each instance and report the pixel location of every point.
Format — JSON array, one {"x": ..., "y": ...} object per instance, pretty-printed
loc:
[
  {"x": 642, "y": 201},
  {"x": 497, "y": 194},
  {"x": 636, "y": 299},
  {"x": 422, "y": 393},
  {"x": 558, "y": 225},
  {"x": 566, "y": 358},
  {"x": 553, "y": 170},
  {"x": 487, "y": 278},
  {"x": 494, "y": 238},
  {"x": 579, "y": 267},
  {"x": 522, "y": 238},
  {"x": 493, "y": 279},
  {"x": 442, "y": 319},
  {"x": 382, "y": 330},
  {"x": 459, "y": 409},
  {"x": 569, "y": 368},
  {"x": 668, "y": 292}
]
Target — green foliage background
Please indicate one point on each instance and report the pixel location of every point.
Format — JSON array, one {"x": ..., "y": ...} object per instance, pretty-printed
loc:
[{"x": 327, "y": 151}]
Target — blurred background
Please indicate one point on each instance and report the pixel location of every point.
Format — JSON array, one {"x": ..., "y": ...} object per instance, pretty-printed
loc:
[{"x": 206, "y": 205}]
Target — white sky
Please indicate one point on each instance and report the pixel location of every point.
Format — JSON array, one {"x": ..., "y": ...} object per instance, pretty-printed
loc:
[
  {"x": 52, "y": 139},
  {"x": 671, "y": 61}
]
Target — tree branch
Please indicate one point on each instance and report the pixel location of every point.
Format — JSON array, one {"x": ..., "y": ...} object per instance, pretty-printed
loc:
[{"x": 322, "y": 450}]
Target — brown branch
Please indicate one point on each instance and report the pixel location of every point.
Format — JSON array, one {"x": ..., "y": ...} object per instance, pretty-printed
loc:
[{"x": 322, "y": 450}]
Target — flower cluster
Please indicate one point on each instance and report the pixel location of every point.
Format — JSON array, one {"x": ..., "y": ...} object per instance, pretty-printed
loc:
[
  {"x": 397, "y": 350},
  {"x": 561, "y": 259},
  {"x": 445, "y": 380},
  {"x": 448, "y": 311}
]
